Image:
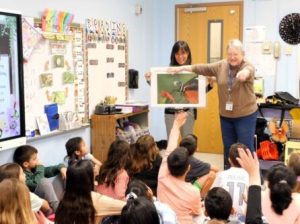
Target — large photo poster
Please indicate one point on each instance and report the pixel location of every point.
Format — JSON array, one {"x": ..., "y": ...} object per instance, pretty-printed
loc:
[{"x": 177, "y": 90}]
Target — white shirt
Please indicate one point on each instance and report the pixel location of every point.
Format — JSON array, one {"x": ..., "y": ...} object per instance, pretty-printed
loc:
[
  {"x": 235, "y": 180},
  {"x": 36, "y": 202}
]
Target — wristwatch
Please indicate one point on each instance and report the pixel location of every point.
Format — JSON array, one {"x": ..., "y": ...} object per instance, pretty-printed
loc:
[{"x": 289, "y": 28}]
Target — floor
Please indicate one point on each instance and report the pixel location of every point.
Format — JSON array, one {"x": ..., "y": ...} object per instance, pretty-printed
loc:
[{"x": 213, "y": 159}]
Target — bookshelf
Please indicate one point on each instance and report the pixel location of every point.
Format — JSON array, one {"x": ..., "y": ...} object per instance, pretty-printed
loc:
[{"x": 103, "y": 130}]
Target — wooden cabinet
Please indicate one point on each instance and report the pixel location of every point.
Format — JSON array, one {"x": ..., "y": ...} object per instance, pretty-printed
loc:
[{"x": 103, "y": 130}]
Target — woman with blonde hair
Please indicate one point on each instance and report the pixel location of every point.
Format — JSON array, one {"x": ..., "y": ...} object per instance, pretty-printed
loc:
[
  {"x": 15, "y": 203},
  {"x": 146, "y": 161}
]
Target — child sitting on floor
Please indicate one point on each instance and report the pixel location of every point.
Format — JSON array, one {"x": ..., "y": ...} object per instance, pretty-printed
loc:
[
  {"x": 235, "y": 180},
  {"x": 146, "y": 161},
  {"x": 37, "y": 174},
  {"x": 218, "y": 206},
  {"x": 181, "y": 196},
  {"x": 294, "y": 164},
  {"x": 77, "y": 149},
  {"x": 201, "y": 174},
  {"x": 13, "y": 170},
  {"x": 113, "y": 176}
]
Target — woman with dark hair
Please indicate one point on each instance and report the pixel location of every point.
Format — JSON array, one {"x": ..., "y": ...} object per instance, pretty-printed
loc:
[
  {"x": 279, "y": 204},
  {"x": 180, "y": 55},
  {"x": 80, "y": 204},
  {"x": 113, "y": 176},
  {"x": 139, "y": 210}
]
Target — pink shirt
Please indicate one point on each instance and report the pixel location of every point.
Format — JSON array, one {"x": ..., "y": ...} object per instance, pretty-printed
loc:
[
  {"x": 117, "y": 192},
  {"x": 291, "y": 215},
  {"x": 182, "y": 197}
]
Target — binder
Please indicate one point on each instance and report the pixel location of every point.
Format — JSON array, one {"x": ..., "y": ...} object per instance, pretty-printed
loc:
[{"x": 51, "y": 111}]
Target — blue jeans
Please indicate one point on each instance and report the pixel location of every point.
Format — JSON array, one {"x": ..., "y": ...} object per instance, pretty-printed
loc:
[{"x": 241, "y": 129}]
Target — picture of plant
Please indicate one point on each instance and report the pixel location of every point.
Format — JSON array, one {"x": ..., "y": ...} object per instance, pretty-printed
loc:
[
  {"x": 59, "y": 97},
  {"x": 46, "y": 79},
  {"x": 58, "y": 61},
  {"x": 68, "y": 77}
]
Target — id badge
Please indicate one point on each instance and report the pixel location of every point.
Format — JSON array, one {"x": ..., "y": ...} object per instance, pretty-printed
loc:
[{"x": 229, "y": 106}]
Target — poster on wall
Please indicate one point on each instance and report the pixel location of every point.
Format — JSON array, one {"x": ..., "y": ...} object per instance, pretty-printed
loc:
[
  {"x": 177, "y": 90},
  {"x": 54, "y": 74},
  {"x": 107, "y": 61}
]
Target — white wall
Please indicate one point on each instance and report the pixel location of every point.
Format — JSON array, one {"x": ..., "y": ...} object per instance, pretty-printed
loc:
[{"x": 151, "y": 36}]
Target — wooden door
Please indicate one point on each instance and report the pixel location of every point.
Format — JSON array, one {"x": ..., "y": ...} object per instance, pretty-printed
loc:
[{"x": 193, "y": 24}]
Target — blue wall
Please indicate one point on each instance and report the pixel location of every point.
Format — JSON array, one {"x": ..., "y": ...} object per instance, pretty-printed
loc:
[
  {"x": 151, "y": 36},
  {"x": 140, "y": 30}
]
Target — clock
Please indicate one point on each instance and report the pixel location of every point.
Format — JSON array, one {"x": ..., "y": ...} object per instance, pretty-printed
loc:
[{"x": 289, "y": 28}]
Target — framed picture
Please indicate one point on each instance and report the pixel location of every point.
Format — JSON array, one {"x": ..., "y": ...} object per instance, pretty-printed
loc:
[
  {"x": 58, "y": 61},
  {"x": 46, "y": 79},
  {"x": 290, "y": 147},
  {"x": 177, "y": 90}
]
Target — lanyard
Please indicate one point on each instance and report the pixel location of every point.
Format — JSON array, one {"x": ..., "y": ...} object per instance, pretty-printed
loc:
[{"x": 230, "y": 82}]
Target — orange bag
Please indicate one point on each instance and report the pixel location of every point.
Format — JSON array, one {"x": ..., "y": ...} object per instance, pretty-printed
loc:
[{"x": 268, "y": 151}]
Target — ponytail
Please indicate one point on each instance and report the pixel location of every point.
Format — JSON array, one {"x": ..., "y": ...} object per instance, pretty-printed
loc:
[{"x": 281, "y": 183}]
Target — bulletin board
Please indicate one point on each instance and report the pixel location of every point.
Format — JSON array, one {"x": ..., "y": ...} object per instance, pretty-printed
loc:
[
  {"x": 106, "y": 61},
  {"x": 53, "y": 72}
]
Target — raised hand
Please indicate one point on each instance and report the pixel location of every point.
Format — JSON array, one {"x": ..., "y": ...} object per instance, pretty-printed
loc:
[{"x": 251, "y": 164}]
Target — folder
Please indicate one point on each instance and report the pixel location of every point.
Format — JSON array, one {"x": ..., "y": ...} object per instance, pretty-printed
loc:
[{"x": 51, "y": 111}]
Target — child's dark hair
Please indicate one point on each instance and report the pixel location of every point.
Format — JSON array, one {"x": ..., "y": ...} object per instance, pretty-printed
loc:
[
  {"x": 77, "y": 205},
  {"x": 73, "y": 145},
  {"x": 23, "y": 154},
  {"x": 233, "y": 153},
  {"x": 138, "y": 187},
  {"x": 218, "y": 203},
  {"x": 281, "y": 183},
  {"x": 118, "y": 158},
  {"x": 190, "y": 143},
  {"x": 139, "y": 211},
  {"x": 178, "y": 161},
  {"x": 9, "y": 170}
]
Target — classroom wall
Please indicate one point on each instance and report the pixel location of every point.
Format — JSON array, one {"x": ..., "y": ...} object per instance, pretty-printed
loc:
[
  {"x": 140, "y": 56},
  {"x": 151, "y": 36},
  {"x": 256, "y": 13}
]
